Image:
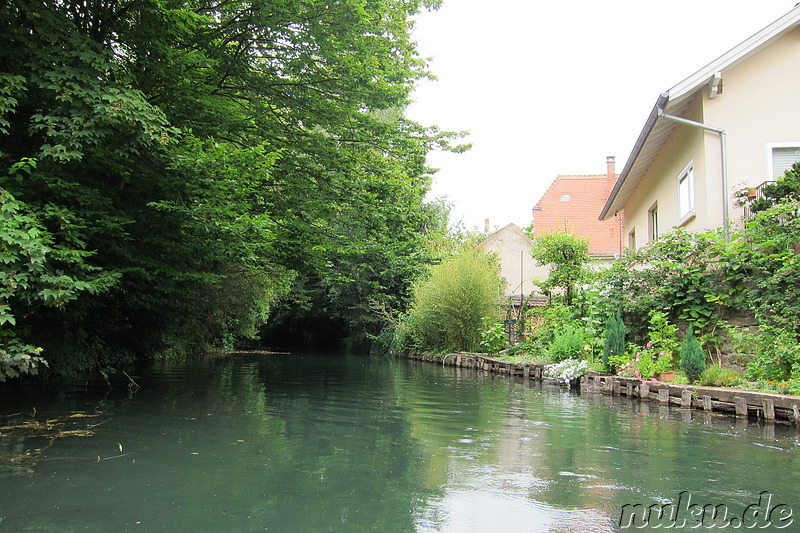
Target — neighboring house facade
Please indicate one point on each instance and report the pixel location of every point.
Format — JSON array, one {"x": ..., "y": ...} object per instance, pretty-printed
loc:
[
  {"x": 513, "y": 248},
  {"x": 572, "y": 204},
  {"x": 730, "y": 126}
]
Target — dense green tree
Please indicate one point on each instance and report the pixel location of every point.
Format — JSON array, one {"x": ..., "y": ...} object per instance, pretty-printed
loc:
[
  {"x": 567, "y": 256},
  {"x": 204, "y": 155}
]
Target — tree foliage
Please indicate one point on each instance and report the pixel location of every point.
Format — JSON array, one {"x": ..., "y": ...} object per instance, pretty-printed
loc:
[
  {"x": 567, "y": 256},
  {"x": 785, "y": 190},
  {"x": 205, "y": 158},
  {"x": 449, "y": 306}
]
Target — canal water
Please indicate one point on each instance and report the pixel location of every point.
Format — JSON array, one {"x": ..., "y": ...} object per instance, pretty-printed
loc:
[{"x": 314, "y": 443}]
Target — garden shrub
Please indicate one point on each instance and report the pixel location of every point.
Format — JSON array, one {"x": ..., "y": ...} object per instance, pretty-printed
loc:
[
  {"x": 693, "y": 277},
  {"x": 449, "y": 306},
  {"x": 553, "y": 318},
  {"x": 493, "y": 336},
  {"x": 567, "y": 343},
  {"x": 775, "y": 355},
  {"x": 693, "y": 359}
]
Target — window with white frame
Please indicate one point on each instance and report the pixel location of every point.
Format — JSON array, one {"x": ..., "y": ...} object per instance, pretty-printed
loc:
[
  {"x": 652, "y": 223},
  {"x": 780, "y": 157},
  {"x": 686, "y": 191}
]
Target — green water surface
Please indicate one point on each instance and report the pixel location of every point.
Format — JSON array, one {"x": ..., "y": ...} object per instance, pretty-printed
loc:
[{"x": 314, "y": 443}]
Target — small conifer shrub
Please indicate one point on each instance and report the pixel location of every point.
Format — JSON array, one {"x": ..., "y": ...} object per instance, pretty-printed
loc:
[
  {"x": 693, "y": 359},
  {"x": 615, "y": 338}
]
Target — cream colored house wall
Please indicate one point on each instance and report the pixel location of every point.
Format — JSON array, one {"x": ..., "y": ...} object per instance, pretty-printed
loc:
[
  {"x": 513, "y": 248},
  {"x": 758, "y": 105}
]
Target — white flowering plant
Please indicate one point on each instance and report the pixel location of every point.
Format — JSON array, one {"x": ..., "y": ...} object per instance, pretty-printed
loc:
[{"x": 567, "y": 370}]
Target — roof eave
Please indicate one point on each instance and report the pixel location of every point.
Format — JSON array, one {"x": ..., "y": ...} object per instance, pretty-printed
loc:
[{"x": 612, "y": 204}]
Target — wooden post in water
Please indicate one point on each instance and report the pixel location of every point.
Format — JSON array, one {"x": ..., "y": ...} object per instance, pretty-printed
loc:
[
  {"x": 686, "y": 398},
  {"x": 707, "y": 403},
  {"x": 644, "y": 391},
  {"x": 741, "y": 406},
  {"x": 768, "y": 404},
  {"x": 663, "y": 395}
]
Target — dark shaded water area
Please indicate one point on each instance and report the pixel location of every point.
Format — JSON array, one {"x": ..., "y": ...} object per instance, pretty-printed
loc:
[{"x": 313, "y": 443}]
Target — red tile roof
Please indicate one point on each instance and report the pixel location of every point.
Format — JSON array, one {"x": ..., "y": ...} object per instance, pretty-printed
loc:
[{"x": 573, "y": 204}]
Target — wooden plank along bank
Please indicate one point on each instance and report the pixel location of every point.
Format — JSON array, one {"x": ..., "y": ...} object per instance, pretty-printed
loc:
[{"x": 764, "y": 406}]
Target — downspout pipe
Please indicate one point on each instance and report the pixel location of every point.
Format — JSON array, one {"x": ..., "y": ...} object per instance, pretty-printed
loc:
[{"x": 724, "y": 154}]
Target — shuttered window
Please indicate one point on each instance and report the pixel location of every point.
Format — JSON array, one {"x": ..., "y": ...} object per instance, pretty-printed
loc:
[{"x": 782, "y": 159}]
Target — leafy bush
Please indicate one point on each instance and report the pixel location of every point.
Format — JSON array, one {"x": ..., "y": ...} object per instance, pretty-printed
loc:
[
  {"x": 568, "y": 343},
  {"x": 552, "y": 319},
  {"x": 662, "y": 334},
  {"x": 695, "y": 277},
  {"x": 775, "y": 354},
  {"x": 450, "y": 305},
  {"x": 773, "y": 288},
  {"x": 649, "y": 362},
  {"x": 493, "y": 336},
  {"x": 37, "y": 274},
  {"x": 693, "y": 359}
]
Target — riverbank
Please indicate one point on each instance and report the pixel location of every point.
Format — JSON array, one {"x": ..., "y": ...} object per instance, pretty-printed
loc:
[{"x": 768, "y": 407}]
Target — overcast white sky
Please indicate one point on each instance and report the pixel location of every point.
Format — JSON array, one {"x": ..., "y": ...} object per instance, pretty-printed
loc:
[{"x": 549, "y": 88}]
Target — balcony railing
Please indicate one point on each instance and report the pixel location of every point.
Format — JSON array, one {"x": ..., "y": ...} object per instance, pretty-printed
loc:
[{"x": 753, "y": 195}]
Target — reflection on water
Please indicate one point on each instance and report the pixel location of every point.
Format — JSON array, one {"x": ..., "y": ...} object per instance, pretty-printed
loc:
[{"x": 344, "y": 443}]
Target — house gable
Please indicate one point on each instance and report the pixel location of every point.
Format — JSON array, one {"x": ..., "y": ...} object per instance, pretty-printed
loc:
[{"x": 513, "y": 248}]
